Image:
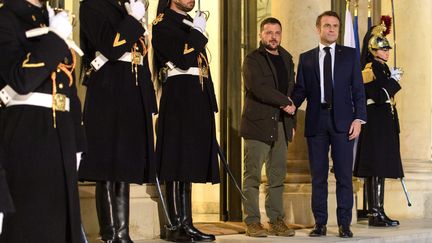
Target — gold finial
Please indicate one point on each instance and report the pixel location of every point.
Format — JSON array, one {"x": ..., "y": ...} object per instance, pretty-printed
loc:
[
  {"x": 347, "y": 5},
  {"x": 369, "y": 8},
  {"x": 356, "y": 8}
]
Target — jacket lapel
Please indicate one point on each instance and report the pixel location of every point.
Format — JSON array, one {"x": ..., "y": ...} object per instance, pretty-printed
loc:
[
  {"x": 338, "y": 57},
  {"x": 316, "y": 63},
  {"x": 270, "y": 63}
]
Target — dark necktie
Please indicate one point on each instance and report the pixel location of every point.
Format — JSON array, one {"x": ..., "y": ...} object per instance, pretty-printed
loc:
[{"x": 328, "y": 84}]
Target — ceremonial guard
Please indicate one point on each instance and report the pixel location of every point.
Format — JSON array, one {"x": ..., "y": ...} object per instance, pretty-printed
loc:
[
  {"x": 118, "y": 109},
  {"x": 40, "y": 124},
  {"x": 378, "y": 155},
  {"x": 186, "y": 147}
]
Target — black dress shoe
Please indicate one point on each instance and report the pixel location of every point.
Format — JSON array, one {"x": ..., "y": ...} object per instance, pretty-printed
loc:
[
  {"x": 196, "y": 234},
  {"x": 345, "y": 232},
  {"x": 318, "y": 230},
  {"x": 391, "y": 221},
  {"x": 177, "y": 234}
]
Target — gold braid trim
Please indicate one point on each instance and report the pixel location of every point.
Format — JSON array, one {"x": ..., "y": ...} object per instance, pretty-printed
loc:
[
  {"x": 137, "y": 57},
  {"x": 67, "y": 69},
  {"x": 202, "y": 69}
]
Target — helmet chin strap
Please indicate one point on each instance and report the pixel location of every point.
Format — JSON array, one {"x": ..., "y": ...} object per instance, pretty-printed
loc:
[{"x": 377, "y": 57}]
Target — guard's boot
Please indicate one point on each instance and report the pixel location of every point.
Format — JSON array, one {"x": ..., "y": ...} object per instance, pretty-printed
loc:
[
  {"x": 175, "y": 232},
  {"x": 106, "y": 211},
  {"x": 121, "y": 190},
  {"x": 381, "y": 182},
  {"x": 375, "y": 217},
  {"x": 186, "y": 196}
]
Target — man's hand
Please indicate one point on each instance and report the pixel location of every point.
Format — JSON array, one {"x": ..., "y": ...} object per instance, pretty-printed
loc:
[
  {"x": 200, "y": 22},
  {"x": 355, "y": 129},
  {"x": 293, "y": 133},
  {"x": 136, "y": 9},
  {"x": 290, "y": 109},
  {"x": 1, "y": 222},
  {"x": 60, "y": 24},
  {"x": 396, "y": 73}
]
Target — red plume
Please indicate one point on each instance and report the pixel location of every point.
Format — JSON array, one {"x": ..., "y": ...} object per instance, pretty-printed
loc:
[{"x": 387, "y": 22}]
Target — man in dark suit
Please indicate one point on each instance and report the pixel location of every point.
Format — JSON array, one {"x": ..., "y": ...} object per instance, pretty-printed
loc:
[{"x": 329, "y": 77}]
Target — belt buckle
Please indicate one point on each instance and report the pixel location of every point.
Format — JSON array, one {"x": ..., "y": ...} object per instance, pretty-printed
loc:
[
  {"x": 60, "y": 102},
  {"x": 136, "y": 58},
  {"x": 204, "y": 72}
]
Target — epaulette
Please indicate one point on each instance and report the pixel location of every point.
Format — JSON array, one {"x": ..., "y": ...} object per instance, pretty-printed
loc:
[
  {"x": 158, "y": 19},
  {"x": 367, "y": 73}
]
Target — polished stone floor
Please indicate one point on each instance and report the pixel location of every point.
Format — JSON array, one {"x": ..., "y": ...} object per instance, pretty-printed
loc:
[{"x": 412, "y": 231}]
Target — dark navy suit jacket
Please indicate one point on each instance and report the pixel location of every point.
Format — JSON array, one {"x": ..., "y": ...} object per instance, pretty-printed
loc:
[{"x": 349, "y": 101}]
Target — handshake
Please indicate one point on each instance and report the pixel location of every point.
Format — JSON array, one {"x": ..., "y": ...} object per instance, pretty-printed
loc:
[{"x": 290, "y": 108}]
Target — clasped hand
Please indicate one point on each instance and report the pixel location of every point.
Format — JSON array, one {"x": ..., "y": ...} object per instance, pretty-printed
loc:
[{"x": 290, "y": 109}]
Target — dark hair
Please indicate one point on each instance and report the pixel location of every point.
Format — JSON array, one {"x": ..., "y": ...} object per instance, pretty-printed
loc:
[
  {"x": 269, "y": 20},
  {"x": 328, "y": 13}
]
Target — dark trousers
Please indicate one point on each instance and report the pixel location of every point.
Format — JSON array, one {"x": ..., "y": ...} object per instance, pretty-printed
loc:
[{"x": 342, "y": 155}]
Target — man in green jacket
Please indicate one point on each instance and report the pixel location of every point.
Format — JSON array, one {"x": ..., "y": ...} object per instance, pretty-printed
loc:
[{"x": 267, "y": 126}]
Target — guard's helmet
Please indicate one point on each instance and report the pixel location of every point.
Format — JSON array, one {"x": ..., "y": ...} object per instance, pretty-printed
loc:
[{"x": 378, "y": 40}]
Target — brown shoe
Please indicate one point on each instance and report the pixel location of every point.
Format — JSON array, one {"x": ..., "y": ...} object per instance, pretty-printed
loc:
[
  {"x": 279, "y": 228},
  {"x": 256, "y": 230}
]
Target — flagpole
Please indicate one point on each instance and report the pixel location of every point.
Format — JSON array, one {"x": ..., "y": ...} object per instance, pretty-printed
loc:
[
  {"x": 369, "y": 14},
  {"x": 356, "y": 29},
  {"x": 394, "y": 33}
]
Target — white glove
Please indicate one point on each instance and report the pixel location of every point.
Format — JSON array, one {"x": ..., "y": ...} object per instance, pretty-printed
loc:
[
  {"x": 136, "y": 9},
  {"x": 78, "y": 158},
  {"x": 396, "y": 73},
  {"x": 200, "y": 22},
  {"x": 1, "y": 222},
  {"x": 60, "y": 24}
]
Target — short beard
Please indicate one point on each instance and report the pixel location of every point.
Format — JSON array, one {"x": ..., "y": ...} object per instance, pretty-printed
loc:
[
  {"x": 269, "y": 47},
  {"x": 182, "y": 7}
]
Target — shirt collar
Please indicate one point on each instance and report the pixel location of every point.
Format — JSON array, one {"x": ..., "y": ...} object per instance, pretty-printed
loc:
[{"x": 332, "y": 46}]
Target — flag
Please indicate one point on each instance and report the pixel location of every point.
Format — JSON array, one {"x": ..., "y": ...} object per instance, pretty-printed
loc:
[
  {"x": 356, "y": 34},
  {"x": 349, "y": 30}
]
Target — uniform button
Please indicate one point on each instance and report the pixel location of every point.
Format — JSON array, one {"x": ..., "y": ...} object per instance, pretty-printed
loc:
[
  {"x": 60, "y": 86},
  {"x": 272, "y": 117},
  {"x": 58, "y": 70},
  {"x": 271, "y": 136}
]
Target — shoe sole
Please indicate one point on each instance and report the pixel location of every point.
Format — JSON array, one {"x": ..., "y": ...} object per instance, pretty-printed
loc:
[
  {"x": 282, "y": 235},
  {"x": 316, "y": 235},
  {"x": 257, "y": 235}
]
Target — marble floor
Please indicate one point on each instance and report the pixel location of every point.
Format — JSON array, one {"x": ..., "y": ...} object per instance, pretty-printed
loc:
[{"x": 412, "y": 231}]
